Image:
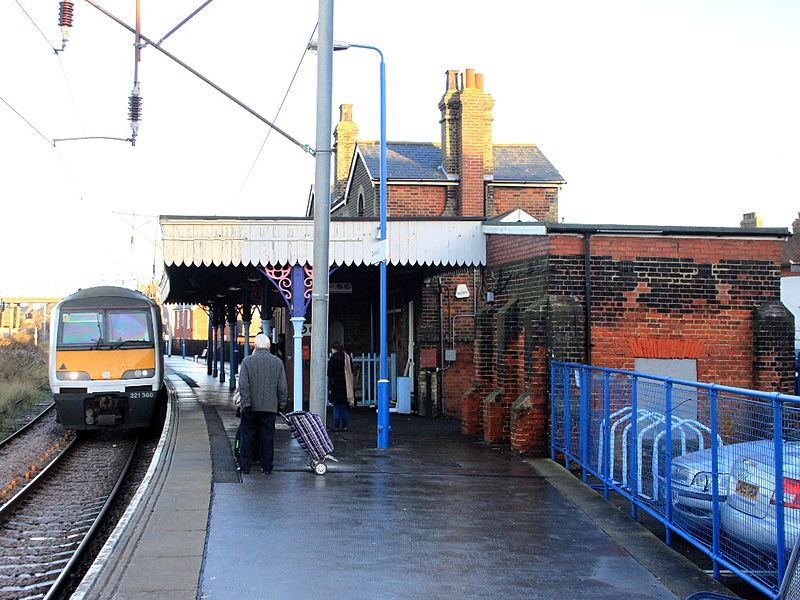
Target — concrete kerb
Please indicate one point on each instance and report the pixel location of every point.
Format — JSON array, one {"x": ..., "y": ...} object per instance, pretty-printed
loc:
[
  {"x": 115, "y": 541},
  {"x": 680, "y": 575}
]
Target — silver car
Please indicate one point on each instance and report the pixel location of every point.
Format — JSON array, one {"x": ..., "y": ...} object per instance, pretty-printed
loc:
[
  {"x": 692, "y": 484},
  {"x": 749, "y": 513}
]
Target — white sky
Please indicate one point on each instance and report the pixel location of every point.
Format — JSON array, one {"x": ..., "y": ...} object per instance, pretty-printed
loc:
[{"x": 679, "y": 112}]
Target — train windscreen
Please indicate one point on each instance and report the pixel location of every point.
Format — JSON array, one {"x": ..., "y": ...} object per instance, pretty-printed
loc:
[{"x": 107, "y": 328}]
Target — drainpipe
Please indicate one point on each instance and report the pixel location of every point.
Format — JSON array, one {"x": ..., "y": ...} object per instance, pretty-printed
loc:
[
  {"x": 587, "y": 286},
  {"x": 441, "y": 368}
]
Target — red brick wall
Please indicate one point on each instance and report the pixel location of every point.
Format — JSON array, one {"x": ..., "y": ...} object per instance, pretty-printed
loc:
[
  {"x": 540, "y": 203},
  {"x": 689, "y": 289},
  {"x": 459, "y": 374},
  {"x": 687, "y": 296},
  {"x": 506, "y": 249},
  {"x": 415, "y": 200}
]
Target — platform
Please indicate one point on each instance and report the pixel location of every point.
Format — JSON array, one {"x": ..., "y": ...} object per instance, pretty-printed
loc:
[{"x": 437, "y": 515}]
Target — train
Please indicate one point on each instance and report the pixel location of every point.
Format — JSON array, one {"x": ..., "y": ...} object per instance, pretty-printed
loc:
[{"x": 106, "y": 368}]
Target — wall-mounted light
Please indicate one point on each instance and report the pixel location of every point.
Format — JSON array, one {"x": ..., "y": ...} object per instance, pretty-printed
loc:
[{"x": 490, "y": 297}]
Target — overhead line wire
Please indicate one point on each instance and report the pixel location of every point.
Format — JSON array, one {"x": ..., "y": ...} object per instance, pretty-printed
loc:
[
  {"x": 31, "y": 125},
  {"x": 22, "y": 8},
  {"x": 305, "y": 147},
  {"x": 275, "y": 118},
  {"x": 71, "y": 95}
]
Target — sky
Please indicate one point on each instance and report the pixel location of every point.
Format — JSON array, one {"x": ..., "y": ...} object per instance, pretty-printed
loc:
[{"x": 679, "y": 112}]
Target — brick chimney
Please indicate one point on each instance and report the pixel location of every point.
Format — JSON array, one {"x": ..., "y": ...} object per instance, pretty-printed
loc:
[
  {"x": 451, "y": 111},
  {"x": 750, "y": 220},
  {"x": 467, "y": 137},
  {"x": 345, "y": 136}
]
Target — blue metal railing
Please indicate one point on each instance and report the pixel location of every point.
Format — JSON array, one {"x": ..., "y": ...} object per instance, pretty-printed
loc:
[{"x": 672, "y": 448}]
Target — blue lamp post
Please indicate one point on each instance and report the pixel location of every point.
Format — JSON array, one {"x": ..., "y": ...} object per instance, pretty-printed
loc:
[
  {"x": 383, "y": 383},
  {"x": 384, "y": 427}
]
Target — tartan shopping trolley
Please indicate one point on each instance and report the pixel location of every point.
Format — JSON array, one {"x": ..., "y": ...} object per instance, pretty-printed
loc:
[{"x": 309, "y": 431}]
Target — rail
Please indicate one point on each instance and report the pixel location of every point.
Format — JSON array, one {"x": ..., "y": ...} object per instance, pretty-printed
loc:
[
  {"x": 79, "y": 487},
  {"x": 717, "y": 465}
]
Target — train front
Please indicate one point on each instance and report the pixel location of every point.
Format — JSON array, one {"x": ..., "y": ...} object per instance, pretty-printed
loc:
[{"x": 106, "y": 368}]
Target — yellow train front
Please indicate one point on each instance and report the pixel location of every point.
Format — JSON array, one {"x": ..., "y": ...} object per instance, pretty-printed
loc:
[{"x": 106, "y": 366}]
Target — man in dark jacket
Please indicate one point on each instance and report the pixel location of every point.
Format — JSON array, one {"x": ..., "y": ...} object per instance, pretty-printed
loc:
[{"x": 263, "y": 390}]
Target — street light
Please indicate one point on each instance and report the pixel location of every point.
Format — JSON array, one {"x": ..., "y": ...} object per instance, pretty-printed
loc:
[{"x": 384, "y": 427}]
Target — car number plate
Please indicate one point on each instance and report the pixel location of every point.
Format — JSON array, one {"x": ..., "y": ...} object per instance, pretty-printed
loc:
[{"x": 747, "y": 490}]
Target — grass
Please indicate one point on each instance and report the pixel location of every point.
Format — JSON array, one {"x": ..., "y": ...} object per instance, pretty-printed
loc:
[{"x": 23, "y": 378}]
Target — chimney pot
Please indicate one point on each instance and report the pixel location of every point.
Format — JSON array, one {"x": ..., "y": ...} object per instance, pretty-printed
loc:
[
  {"x": 470, "y": 76},
  {"x": 479, "y": 81},
  {"x": 346, "y": 112},
  {"x": 452, "y": 79}
]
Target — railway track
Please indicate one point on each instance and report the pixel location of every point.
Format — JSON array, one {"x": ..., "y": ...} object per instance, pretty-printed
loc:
[
  {"x": 29, "y": 450},
  {"x": 46, "y": 526}
]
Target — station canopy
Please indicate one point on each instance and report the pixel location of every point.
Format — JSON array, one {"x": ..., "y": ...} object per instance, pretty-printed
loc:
[{"x": 212, "y": 259}]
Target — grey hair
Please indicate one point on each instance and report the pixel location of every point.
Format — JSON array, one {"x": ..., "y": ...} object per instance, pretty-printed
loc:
[{"x": 262, "y": 341}]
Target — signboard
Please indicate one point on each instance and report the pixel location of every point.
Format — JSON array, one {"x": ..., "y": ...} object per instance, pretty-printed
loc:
[{"x": 379, "y": 252}]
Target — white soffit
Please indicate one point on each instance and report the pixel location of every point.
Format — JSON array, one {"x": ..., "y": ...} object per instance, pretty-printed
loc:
[{"x": 233, "y": 242}]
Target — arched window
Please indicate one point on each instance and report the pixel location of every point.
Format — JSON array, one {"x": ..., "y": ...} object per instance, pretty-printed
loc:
[{"x": 360, "y": 205}]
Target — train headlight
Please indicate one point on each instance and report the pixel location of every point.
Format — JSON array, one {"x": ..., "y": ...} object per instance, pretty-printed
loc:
[
  {"x": 138, "y": 373},
  {"x": 72, "y": 375}
]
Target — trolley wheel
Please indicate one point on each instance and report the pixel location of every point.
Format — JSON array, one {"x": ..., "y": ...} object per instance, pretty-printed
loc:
[{"x": 320, "y": 468}]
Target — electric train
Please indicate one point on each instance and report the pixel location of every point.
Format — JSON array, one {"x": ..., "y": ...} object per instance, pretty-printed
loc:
[{"x": 106, "y": 366}]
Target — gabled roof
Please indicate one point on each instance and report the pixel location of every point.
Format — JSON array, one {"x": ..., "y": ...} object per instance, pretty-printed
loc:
[
  {"x": 523, "y": 163},
  {"x": 421, "y": 161},
  {"x": 416, "y": 161}
]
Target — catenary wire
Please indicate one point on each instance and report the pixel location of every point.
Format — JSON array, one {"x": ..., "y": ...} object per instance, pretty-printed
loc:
[
  {"x": 37, "y": 27},
  {"x": 31, "y": 125},
  {"x": 71, "y": 95},
  {"x": 277, "y": 113},
  {"x": 304, "y": 147}
]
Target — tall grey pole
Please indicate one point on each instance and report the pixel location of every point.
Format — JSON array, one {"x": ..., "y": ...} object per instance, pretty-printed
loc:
[{"x": 322, "y": 213}]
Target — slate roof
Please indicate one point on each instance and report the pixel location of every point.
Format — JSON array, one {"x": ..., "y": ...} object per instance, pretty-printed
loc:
[
  {"x": 523, "y": 162},
  {"x": 421, "y": 161},
  {"x": 405, "y": 160}
]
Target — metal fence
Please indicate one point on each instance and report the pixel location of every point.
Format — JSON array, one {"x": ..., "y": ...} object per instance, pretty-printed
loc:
[
  {"x": 366, "y": 372},
  {"x": 717, "y": 465}
]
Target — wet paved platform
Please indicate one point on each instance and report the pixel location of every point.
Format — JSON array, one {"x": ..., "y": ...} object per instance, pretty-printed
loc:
[{"x": 438, "y": 515}]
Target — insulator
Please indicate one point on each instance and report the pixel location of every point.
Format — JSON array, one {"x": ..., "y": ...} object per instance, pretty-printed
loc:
[
  {"x": 65, "y": 14},
  {"x": 135, "y": 108}
]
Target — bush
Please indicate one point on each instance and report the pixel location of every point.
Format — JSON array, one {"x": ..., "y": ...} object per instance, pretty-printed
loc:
[{"x": 23, "y": 375}]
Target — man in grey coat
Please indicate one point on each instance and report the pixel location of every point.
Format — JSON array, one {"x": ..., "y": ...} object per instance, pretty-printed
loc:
[{"x": 263, "y": 390}]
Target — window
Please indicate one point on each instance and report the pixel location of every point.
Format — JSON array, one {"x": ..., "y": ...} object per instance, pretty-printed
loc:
[
  {"x": 128, "y": 327},
  {"x": 360, "y": 205},
  {"x": 81, "y": 327}
]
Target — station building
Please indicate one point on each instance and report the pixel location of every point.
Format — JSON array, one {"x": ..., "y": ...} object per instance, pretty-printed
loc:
[{"x": 485, "y": 285}]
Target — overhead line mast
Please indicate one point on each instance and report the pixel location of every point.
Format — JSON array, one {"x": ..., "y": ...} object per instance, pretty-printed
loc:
[{"x": 304, "y": 147}]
